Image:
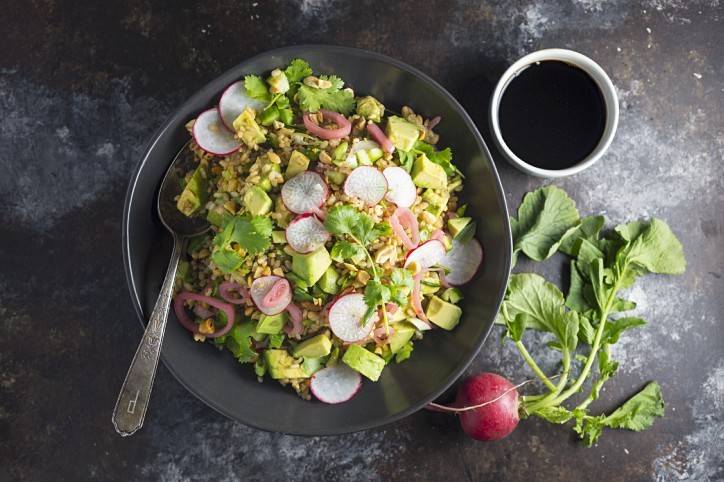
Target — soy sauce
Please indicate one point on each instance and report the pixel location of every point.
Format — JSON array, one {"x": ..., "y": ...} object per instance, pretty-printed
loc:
[{"x": 552, "y": 115}]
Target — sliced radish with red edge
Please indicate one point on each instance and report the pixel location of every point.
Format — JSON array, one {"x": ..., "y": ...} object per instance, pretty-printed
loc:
[
  {"x": 367, "y": 184},
  {"x": 463, "y": 261},
  {"x": 426, "y": 255},
  {"x": 345, "y": 318},
  {"x": 304, "y": 193},
  {"x": 335, "y": 384},
  {"x": 306, "y": 233},
  {"x": 233, "y": 102},
  {"x": 212, "y": 136},
  {"x": 400, "y": 188},
  {"x": 271, "y": 294}
]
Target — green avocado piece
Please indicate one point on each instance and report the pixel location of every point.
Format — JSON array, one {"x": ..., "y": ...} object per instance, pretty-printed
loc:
[
  {"x": 403, "y": 333},
  {"x": 194, "y": 194},
  {"x": 218, "y": 218},
  {"x": 437, "y": 203},
  {"x": 313, "y": 365},
  {"x": 363, "y": 158},
  {"x": 430, "y": 284},
  {"x": 298, "y": 162},
  {"x": 364, "y": 361},
  {"x": 265, "y": 182},
  {"x": 313, "y": 347},
  {"x": 311, "y": 266},
  {"x": 328, "y": 281},
  {"x": 403, "y": 134},
  {"x": 453, "y": 295},
  {"x": 370, "y": 108},
  {"x": 426, "y": 173},
  {"x": 443, "y": 314},
  {"x": 257, "y": 201},
  {"x": 279, "y": 364},
  {"x": 247, "y": 129},
  {"x": 456, "y": 225},
  {"x": 272, "y": 324},
  {"x": 279, "y": 237},
  {"x": 336, "y": 177}
]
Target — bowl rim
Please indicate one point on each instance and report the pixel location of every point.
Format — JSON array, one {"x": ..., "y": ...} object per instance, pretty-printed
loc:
[{"x": 149, "y": 147}]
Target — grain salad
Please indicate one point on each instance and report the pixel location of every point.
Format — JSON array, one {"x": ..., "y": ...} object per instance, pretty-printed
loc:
[{"x": 337, "y": 237}]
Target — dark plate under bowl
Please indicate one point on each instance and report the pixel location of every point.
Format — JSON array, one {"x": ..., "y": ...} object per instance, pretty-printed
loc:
[{"x": 232, "y": 389}]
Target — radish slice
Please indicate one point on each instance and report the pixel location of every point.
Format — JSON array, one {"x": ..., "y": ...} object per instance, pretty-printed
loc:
[
  {"x": 212, "y": 136},
  {"x": 345, "y": 318},
  {"x": 304, "y": 193},
  {"x": 233, "y": 102},
  {"x": 380, "y": 137},
  {"x": 463, "y": 261},
  {"x": 271, "y": 294},
  {"x": 416, "y": 296},
  {"x": 344, "y": 127},
  {"x": 427, "y": 254},
  {"x": 367, "y": 184},
  {"x": 400, "y": 188},
  {"x": 401, "y": 218},
  {"x": 335, "y": 384},
  {"x": 306, "y": 233},
  {"x": 419, "y": 324}
]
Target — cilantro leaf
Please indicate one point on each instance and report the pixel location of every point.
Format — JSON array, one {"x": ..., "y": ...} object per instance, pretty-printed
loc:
[
  {"x": 297, "y": 70},
  {"x": 239, "y": 344},
  {"x": 343, "y": 250},
  {"x": 332, "y": 98},
  {"x": 375, "y": 295},
  {"x": 242, "y": 235},
  {"x": 256, "y": 88},
  {"x": 347, "y": 220},
  {"x": 545, "y": 217},
  {"x": 401, "y": 284}
]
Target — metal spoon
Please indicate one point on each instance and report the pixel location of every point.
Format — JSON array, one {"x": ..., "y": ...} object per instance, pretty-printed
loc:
[{"x": 132, "y": 403}]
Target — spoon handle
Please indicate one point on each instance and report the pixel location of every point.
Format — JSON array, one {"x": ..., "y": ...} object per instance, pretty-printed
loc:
[{"x": 135, "y": 393}]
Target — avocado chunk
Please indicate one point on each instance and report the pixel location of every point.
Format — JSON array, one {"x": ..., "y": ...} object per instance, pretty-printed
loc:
[
  {"x": 265, "y": 182},
  {"x": 313, "y": 365},
  {"x": 247, "y": 129},
  {"x": 336, "y": 177},
  {"x": 426, "y": 173},
  {"x": 257, "y": 201},
  {"x": 364, "y": 362},
  {"x": 279, "y": 237},
  {"x": 430, "y": 284},
  {"x": 298, "y": 162},
  {"x": 218, "y": 218},
  {"x": 311, "y": 266},
  {"x": 456, "y": 225},
  {"x": 314, "y": 347},
  {"x": 453, "y": 295},
  {"x": 443, "y": 314},
  {"x": 403, "y": 134},
  {"x": 194, "y": 194},
  {"x": 328, "y": 281},
  {"x": 436, "y": 203},
  {"x": 370, "y": 108},
  {"x": 279, "y": 363},
  {"x": 403, "y": 333},
  {"x": 272, "y": 324}
]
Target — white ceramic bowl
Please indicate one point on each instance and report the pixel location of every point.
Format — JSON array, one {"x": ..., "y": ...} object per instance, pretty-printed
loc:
[{"x": 608, "y": 91}]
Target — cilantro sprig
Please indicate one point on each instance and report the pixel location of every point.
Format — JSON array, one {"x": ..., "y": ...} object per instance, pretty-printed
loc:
[
  {"x": 443, "y": 157},
  {"x": 582, "y": 322},
  {"x": 334, "y": 98},
  {"x": 347, "y": 222},
  {"x": 240, "y": 236}
]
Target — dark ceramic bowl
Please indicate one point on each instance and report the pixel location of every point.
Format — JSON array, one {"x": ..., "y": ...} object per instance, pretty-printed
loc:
[{"x": 438, "y": 360}]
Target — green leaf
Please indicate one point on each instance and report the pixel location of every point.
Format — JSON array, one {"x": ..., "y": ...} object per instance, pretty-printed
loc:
[
  {"x": 443, "y": 158},
  {"x": 619, "y": 304},
  {"x": 344, "y": 250},
  {"x": 516, "y": 327},
  {"x": 297, "y": 70},
  {"x": 588, "y": 428},
  {"x": 586, "y": 331},
  {"x": 545, "y": 217},
  {"x": 653, "y": 247},
  {"x": 256, "y": 88},
  {"x": 606, "y": 368},
  {"x": 553, "y": 414},
  {"x": 332, "y": 98},
  {"x": 613, "y": 329},
  {"x": 252, "y": 234},
  {"x": 639, "y": 412},
  {"x": 405, "y": 159},
  {"x": 401, "y": 284},
  {"x": 239, "y": 343},
  {"x": 589, "y": 229},
  {"x": 226, "y": 260},
  {"x": 346, "y": 220},
  {"x": 576, "y": 299}
]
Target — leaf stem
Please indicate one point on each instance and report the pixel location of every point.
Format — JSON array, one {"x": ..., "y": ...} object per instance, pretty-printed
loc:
[
  {"x": 534, "y": 366},
  {"x": 385, "y": 320},
  {"x": 544, "y": 401}
]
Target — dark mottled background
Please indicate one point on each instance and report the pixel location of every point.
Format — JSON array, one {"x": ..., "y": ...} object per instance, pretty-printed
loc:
[{"x": 84, "y": 84}]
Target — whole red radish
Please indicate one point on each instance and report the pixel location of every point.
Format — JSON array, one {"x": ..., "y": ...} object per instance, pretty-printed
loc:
[{"x": 495, "y": 420}]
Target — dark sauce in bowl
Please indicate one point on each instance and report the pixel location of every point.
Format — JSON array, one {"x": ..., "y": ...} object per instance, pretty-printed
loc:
[{"x": 552, "y": 115}]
